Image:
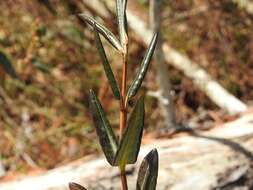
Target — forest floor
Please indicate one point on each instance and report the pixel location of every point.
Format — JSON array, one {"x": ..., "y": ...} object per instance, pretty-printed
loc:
[{"x": 44, "y": 117}]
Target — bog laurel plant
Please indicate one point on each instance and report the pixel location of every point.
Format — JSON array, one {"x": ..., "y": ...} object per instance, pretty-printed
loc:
[{"x": 123, "y": 150}]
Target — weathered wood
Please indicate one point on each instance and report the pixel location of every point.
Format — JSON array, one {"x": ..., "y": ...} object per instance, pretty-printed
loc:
[{"x": 209, "y": 160}]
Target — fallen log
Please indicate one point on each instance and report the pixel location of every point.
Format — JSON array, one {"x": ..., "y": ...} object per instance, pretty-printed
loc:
[
  {"x": 217, "y": 159},
  {"x": 219, "y": 95}
]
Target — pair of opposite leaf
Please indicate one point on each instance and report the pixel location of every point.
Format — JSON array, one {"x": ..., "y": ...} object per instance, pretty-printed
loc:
[
  {"x": 125, "y": 152},
  {"x": 122, "y": 22},
  {"x": 136, "y": 84},
  {"x": 147, "y": 175}
]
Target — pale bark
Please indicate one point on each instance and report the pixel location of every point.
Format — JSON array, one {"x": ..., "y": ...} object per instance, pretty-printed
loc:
[{"x": 166, "y": 101}]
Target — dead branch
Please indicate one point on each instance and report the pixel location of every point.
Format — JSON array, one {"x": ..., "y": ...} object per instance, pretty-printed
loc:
[{"x": 167, "y": 105}]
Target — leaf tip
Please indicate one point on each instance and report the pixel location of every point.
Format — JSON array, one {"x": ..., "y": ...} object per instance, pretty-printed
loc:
[
  {"x": 75, "y": 186},
  {"x": 153, "y": 154},
  {"x": 92, "y": 96},
  {"x": 91, "y": 92}
]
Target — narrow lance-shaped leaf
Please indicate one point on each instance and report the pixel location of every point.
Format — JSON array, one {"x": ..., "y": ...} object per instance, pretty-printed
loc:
[
  {"x": 75, "y": 186},
  {"x": 122, "y": 20},
  {"x": 106, "y": 65},
  {"x": 136, "y": 84},
  {"x": 105, "y": 133},
  {"x": 148, "y": 172},
  {"x": 111, "y": 38},
  {"x": 7, "y": 66},
  {"x": 124, "y": 5},
  {"x": 130, "y": 144}
]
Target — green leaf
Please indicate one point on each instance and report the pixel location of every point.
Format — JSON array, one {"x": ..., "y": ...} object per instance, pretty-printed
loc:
[
  {"x": 106, "y": 65},
  {"x": 75, "y": 186},
  {"x": 136, "y": 84},
  {"x": 7, "y": 66},
  {"x": 122, "y": 20},
  {"x": 130, "y": 144},
  {"x": 111, "y": 38},
  {"x": 105, "y": 133},
  {"x": 148, "y": 172}
]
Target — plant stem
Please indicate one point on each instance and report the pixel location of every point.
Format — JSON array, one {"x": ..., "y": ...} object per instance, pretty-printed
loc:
[
  {"x": 123, "y": 179},
  {"x": 123, "y": 111}
]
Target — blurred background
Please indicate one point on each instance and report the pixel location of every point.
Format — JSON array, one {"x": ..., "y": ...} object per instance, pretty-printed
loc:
[{"x": 48, "y": 62}]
